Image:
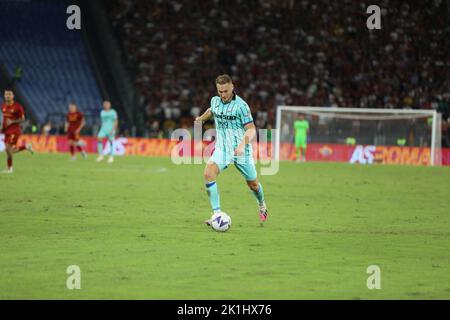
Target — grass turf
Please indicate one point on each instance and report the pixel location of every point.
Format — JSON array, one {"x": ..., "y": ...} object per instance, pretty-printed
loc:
[{"x": 135, "y": 229}]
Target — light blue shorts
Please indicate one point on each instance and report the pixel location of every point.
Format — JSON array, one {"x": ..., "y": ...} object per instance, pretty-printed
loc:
[
  {"x": 244, "y": 164},
  {"x": 106, "y": 133}
]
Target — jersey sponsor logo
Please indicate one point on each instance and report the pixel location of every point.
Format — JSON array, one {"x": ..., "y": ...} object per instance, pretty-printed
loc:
[{"x": 225, "y": 117}]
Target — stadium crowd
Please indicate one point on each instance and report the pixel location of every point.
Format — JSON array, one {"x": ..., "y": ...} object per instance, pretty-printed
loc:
[{"x": 288, "y": 52}]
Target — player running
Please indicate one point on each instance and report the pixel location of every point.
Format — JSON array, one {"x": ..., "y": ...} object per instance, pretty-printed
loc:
[
  {"x": 13, "y": 116},
  {"x": 235, "y": 130},
  {"x": 108, "y": 130},
  {"x": 74, "y": 123},
  {"x": 301, "y": 127}
]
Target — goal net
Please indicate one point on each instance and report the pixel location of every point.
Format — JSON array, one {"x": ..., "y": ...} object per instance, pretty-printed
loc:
[{"x": 359, "y": 135}]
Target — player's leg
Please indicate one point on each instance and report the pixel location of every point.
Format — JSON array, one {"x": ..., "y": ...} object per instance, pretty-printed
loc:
[
  {"x": 210, "y": 175},
  {"x": 299, "y": 154},
  {"x": 72, "y": 148},
  {"x": 12, "y": 140},
  {"x": 26, "y": 146},
  {"x": 111, "y": 150},
  {"x": 217, "y": 163},
  {"x": 16, "y": 149},
  {"x": 75, "y": 144},
  {"x": 10, "y": 148},
  {"x": 298, "y": 149},
  {"x": 101, "y": 135},
  {"x": 29, "y": 147},
  {"x": 258, "y": 192},
  {"x": 248, "y": 171},
  {"x": 303, "y": 147},
  {"x": 78, "y": 145},
  {"x": 70, "y": 136},
  {"x": 81, "y": 151},
  {"x": 23, "y": 147},
  {"x": 9, "y": 157}
]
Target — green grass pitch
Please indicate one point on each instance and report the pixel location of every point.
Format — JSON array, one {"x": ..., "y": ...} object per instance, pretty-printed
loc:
[{"x": 135, "y": 229}]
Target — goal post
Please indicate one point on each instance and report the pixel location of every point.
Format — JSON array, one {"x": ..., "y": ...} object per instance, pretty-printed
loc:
[{"x": 401, "y": 136}]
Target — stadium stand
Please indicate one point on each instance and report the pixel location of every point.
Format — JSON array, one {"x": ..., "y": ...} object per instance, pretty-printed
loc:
[
  {"x": 307, "y": 52},
  {"x": 55, "y": 67}
]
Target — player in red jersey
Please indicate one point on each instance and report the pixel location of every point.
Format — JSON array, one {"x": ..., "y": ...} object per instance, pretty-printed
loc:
[
  {"x": 13, "y": 116},
  {"x": 74, "y": 123}
]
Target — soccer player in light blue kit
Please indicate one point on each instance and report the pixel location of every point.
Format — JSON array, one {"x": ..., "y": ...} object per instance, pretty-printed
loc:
[
  {"x": 234, "y": 132},
  {"x": 107, "y": 130}
]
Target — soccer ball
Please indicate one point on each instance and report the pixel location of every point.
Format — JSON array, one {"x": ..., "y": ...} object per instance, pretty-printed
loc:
[{"x": 221, "y": 221}]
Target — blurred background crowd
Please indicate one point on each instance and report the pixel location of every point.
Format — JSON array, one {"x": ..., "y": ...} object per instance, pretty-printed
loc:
[
  {"x": 157, "y": 60},
  {"x": 309, "y": 53}
]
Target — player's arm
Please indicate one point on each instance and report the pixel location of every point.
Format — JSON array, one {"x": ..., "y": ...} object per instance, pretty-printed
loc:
[
  {"x": 116, "y": 125},
  {"x": 66, "y": 124},
  {"x": 205, "y": 116},
  {"x": 20, "y": 118},
  {"x": 83, "y": 122},
  {"x": 249, "y": 135},
  {"x": 11, "y": 122}
]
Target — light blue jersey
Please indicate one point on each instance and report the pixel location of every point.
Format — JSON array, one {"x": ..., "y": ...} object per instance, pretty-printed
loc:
[
  {"x": 230, "y": 120},
  {"x": 108, "y": 119}
]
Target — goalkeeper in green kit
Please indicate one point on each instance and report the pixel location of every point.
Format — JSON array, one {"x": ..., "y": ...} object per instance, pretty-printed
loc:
[{"x": 301, "y": 127}]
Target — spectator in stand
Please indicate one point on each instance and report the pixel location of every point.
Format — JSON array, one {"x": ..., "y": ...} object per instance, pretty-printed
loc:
[{"x": 305, "y": 52}]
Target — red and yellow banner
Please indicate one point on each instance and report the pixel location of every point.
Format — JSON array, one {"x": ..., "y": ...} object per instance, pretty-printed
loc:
[{"x": 364, "y": 154}]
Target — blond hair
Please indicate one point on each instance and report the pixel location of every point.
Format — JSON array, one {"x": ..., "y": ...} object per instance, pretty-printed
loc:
[{"x": 223, "y": 79}]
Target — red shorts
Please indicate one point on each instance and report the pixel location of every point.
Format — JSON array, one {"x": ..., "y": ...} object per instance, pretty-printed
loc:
[
  {"x": 12, "y": 138},
  {"x": 72, "y": 135}
]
